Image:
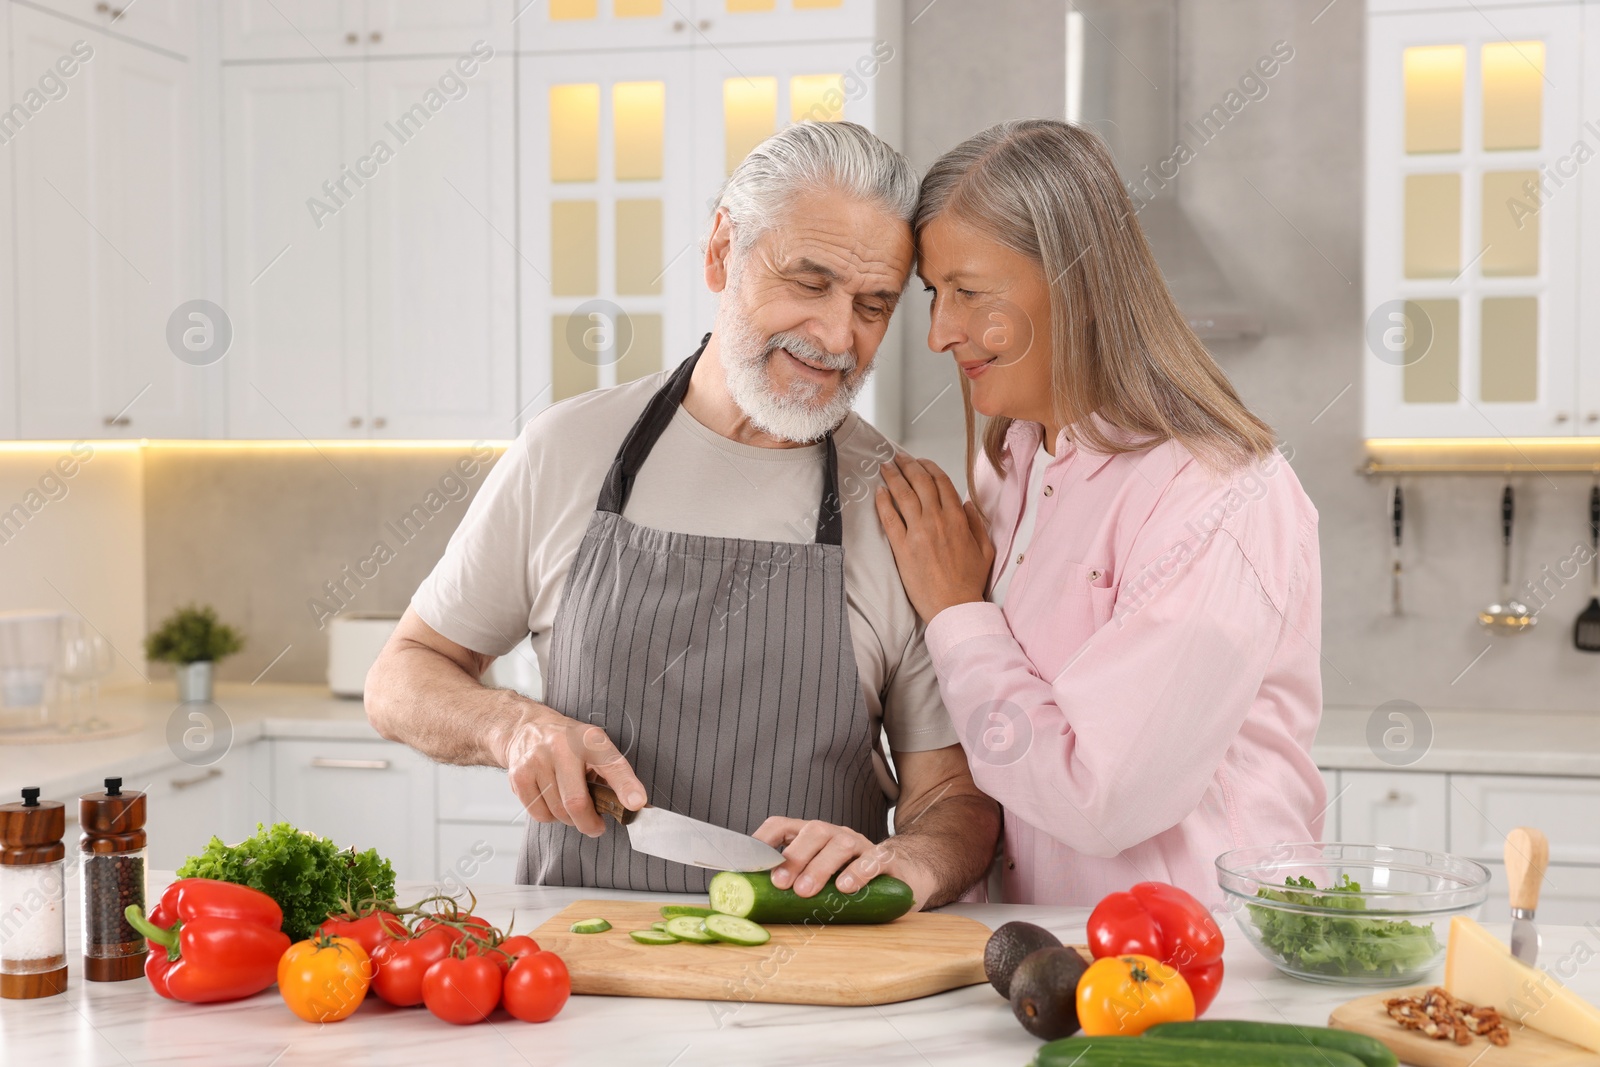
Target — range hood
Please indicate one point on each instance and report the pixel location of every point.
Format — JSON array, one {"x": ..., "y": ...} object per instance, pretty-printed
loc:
[{"x": 1122, "y": 82}]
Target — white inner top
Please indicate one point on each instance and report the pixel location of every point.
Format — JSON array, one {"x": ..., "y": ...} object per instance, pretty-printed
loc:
[{"x": 1030, "y": 510}]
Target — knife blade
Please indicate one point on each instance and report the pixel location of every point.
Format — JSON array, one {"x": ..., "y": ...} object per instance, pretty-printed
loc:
[
  {"x": 670, "y": 836},
  {"x": 1527, "y": 855}
]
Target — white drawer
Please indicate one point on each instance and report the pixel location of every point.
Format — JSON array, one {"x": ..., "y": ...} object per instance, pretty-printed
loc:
[
  {"x": 1330, "y": 814},
  {"x": 1484, "y": 808},
  {"x": 478, "y": 852},
  {"x": 1570, "y": 896},
  {"x": 1406, "y": 809},
  {"x": 476, "y": 794}
]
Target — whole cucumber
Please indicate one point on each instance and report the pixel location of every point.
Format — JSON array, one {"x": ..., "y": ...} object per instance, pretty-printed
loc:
[
  {"x": 1369, "y": 1050},
  {"x": 751, "y": 895},
  {"x": 1145, "y": 1052}
]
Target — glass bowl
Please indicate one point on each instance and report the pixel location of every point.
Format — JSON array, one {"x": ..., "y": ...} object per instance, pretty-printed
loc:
[{"x": 1363, "y": 915}]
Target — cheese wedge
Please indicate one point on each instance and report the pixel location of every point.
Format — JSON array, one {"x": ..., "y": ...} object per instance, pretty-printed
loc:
[{"x": 1478, "y": 967}]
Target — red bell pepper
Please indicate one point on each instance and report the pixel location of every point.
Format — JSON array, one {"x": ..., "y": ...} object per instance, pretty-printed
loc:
[
  {"x": 1161, "y": 920},
  {"x": 211, "y": 941}
]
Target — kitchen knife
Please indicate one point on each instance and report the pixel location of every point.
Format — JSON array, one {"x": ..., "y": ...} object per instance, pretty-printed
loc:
[
  {"x": 670, "y": 836},
  {"x": 1397, "y": 519},
  {"x": 1527, "y": 855}
]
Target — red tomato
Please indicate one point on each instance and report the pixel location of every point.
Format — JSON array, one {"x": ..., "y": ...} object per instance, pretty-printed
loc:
[
  {"x": 516, "y": 946},
  {"x": 462, "y": 991},
  {"x": 369, "y": 931},
  {"x": 402, "y": 963},
  {"x": 537, "y": 987},
  {"x": 486, "y": 927}
]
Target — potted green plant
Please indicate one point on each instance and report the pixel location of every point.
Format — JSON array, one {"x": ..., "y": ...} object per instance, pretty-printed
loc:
[{"x": 193, "y": 641}]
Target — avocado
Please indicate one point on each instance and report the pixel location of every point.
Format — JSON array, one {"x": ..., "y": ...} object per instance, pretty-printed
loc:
[
  {"x": 1006, "y": 948},
  {"x": 1044, "y": 992}
]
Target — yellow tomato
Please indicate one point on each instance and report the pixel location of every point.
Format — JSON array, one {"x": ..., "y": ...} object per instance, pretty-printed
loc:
[
  {"x": 324, "y": 979},
  {"x": 1127, "y": 995}
]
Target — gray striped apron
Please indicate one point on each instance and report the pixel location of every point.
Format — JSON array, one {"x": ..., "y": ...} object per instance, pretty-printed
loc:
[{"x": 722, "y": 668}]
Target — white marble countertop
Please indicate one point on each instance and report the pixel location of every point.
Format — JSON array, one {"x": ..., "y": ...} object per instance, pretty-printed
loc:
[
  {"x": 1468, "y": 742},
  {"x": 62, "y": 768},
  {"x": 126, "y": 1023}
]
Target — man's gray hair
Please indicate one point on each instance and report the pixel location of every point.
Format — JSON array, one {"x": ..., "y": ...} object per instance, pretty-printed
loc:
[{"x": 831, "y": 157}]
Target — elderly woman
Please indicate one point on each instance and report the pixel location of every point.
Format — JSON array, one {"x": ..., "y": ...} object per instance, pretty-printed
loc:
[{"x": 1124, "y": 619}]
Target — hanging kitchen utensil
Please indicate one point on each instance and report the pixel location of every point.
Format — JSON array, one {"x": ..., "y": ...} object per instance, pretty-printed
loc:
[
  {"x": 1586, "y": 631},
  {"x": 1508, "y": 614},
  {"x": 1397, "y": 512}
]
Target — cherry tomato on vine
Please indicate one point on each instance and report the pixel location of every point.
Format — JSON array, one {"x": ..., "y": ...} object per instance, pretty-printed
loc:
[
  {"x": 537, "y": 987},
  {"x": 401, "y": 964},
  {"x": 462, "y": 990}
]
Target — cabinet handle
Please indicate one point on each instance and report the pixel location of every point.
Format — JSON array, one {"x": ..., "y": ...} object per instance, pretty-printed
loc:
[
  {"x": 1393, "y": 797},
  {"x": 1562, "y": 416},
  {"x": 352, "y": 37},
  {"x": 380, "y": 422},
  {"x": 705, "y": 24},
  {"x": 376, "y": 37},
  {"x": 117, "y": 420},
  {"x": 185, "y": 783},
  {"x": 355, "y": 422},
  {"x": 1592, "y": 417},
  {"x": 678, "y": 25},
  {"x": 350, "y": 764}
]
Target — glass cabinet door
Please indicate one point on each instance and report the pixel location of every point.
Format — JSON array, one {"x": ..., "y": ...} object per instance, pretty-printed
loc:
[
  {"x": 560, "y": 26},
  {"x": 1471, "y": 279},
  {"x": 722, "y": 22},
  {"x": 609, "y": 228}
]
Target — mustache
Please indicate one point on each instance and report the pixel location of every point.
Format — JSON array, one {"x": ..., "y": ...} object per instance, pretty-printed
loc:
[{"x": 806, "y": 349}]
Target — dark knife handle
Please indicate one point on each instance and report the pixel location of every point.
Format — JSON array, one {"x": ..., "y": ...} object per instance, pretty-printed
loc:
[
  {"x": 1507, "y": 510},
  {"x": 1594, "y": 517},
  {"x": 606, "y": 802},
  {"x": 1397, "y": 516}
]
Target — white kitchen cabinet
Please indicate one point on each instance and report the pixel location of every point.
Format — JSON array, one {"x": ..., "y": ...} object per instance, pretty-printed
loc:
[
  {"x": 1588, "y": 180},
  {"x": 8, "y": 362},
  {"x": 1472, "y": 275},
  {"x": 168, "y": 25},
  {"x": 1406, "y": 809},
  {"x": 367, "y": 794},
  {"x": 343, "y": 29},
  {"x": 441, "y": 270},
  {"x": 1484, "y": 808},
  {"x": 107, "y": 239},
  {"x": 1330, "y": 814},
  {"x": 476, "y": 794},
  {"x": 186, "y": 806},
  {"x": 295, "y": 280},
  {"x": 478, "y": 852},
  {"x": 623, "y": 153},
  {"x": 725, "y": 22},
  {"x": 1568, "y": 896},
  {"x": 293, "y": 29},
  {"x": 608, "y": 222}
]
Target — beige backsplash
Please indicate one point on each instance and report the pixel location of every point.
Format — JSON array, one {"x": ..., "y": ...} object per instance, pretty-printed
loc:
[{"x": 279, "y": 540}]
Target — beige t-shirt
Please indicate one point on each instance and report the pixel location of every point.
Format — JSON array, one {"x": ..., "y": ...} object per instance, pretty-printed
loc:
[{"x": 503, "y": 572}]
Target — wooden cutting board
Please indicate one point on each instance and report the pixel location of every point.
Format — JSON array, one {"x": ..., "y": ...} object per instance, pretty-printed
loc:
[
  {"x": 1528, "y": 1048},
  {"x": 914, "y": 956}
]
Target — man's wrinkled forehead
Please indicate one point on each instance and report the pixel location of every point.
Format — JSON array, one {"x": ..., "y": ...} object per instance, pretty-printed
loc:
[{"x": 856, "y": 245}]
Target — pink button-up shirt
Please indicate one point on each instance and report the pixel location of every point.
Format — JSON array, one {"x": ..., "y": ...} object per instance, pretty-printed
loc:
[{"x": 1147, "y": 697}]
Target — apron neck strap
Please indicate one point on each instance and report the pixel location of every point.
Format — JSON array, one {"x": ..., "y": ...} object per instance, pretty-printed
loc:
[{"x": 653, "y": 422}]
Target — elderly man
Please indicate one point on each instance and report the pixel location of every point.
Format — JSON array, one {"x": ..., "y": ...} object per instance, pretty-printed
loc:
[{"x": 716, "y": 609}]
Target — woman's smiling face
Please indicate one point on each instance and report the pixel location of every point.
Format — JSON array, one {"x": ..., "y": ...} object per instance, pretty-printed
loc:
[{"x": 991, "y": 311}]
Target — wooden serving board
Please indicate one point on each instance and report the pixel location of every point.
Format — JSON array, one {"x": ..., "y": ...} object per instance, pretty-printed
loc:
[
  {"x": 914, "y": 956},
  {"x": 1528, "y": 1048}
]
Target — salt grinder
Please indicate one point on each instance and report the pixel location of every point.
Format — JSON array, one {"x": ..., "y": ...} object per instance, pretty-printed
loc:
[{"x": 33, "y": 914}]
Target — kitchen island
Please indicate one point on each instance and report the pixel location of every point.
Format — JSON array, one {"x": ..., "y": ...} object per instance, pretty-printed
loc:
[{"x": 126, "y": 1023}]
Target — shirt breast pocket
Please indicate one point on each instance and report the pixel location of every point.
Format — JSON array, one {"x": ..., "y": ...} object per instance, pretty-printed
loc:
[{"x": 1073, "y": 601}]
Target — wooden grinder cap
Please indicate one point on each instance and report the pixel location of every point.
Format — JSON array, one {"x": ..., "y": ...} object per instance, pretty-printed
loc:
[
  {"x": 112, "y": 821},
  {"x": 31, "y": 830}
]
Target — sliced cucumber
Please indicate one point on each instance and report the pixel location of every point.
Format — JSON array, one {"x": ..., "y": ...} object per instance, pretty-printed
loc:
[
  {"x": 736, "y": 931},
  {"x": 590, "y": 926},
  {"x": 659, "y": 924},
  {"x": 652, "y": 937},
  {"x": 689, "y": 928},
  {"x": 753, "y": 896},
  {"x": 672, "y": 911}
]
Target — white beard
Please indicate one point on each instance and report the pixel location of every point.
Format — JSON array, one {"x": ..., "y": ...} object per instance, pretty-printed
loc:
[{"x": 798, "y": 414}]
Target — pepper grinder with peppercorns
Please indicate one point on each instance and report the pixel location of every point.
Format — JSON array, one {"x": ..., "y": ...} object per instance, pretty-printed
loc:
[{"x": 113, "y": 854}]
